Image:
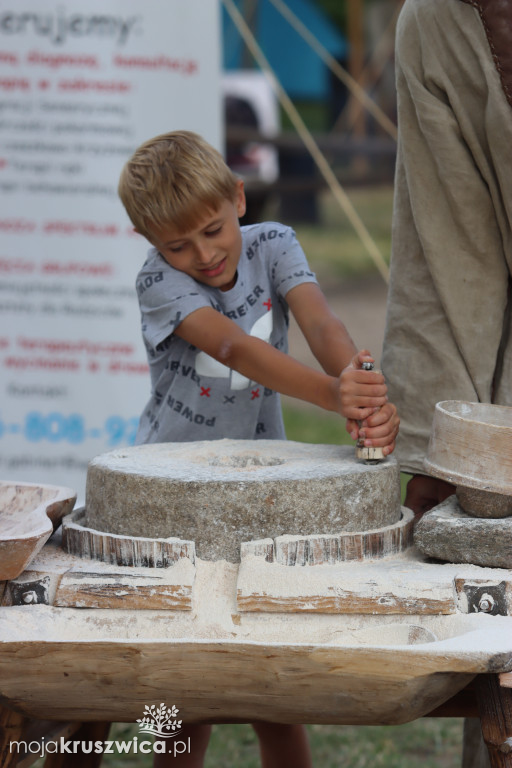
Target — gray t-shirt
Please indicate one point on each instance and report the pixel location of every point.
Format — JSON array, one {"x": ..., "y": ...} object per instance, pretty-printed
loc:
[{"x": 194, "y": 397}]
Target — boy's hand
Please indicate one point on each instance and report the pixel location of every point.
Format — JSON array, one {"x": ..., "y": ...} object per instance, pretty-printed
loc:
[
  {"x": 379, "y": 430},
  {"x": 364, "y": 403},
  {"x": 360, "y": 393}
]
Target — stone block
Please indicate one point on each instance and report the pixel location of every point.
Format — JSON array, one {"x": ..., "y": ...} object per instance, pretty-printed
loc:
[{"x": 448, "y": 533}]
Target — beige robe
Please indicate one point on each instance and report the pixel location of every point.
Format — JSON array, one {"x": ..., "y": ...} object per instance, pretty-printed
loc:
[{"x": 448, "y": 331}]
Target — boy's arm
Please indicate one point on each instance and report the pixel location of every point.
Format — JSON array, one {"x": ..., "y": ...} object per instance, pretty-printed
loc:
[
  {"x": 326, "y": 335},
  {"x": 224, "y": 340},
  {"x": 332, "y": 346}
]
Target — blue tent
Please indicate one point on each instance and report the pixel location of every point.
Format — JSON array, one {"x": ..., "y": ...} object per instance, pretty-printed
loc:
[{"x": 298, "y": 67}]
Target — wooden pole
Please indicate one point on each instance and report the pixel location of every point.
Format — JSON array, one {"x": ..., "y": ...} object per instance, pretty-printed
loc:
[
  {"x": 495, "y": 708},
  {"x": 355, "y": 28},
  {"x": 250, "y": 13}
]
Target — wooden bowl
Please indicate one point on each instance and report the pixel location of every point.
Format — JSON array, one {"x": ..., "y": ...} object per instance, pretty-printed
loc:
[
  {"x": 471, "y": 445},
  {"x": 29, "y": 513}
]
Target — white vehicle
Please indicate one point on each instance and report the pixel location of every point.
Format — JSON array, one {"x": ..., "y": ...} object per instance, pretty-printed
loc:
[{"x": 249, "y": 102}]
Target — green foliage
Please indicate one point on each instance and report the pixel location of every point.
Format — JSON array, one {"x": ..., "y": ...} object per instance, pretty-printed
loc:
[{"x": 308, "y": 424}]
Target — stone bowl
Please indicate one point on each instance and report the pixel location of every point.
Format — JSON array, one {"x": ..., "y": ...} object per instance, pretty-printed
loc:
[{"x": 471, "y": 446}]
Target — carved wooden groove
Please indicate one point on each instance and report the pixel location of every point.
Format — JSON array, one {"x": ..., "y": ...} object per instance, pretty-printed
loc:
[
  {"x": 328, "y": 549},
  {"x": 136, "y": 551}
]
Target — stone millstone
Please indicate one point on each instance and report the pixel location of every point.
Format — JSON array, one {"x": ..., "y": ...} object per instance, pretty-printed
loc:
[
  {"x": 448, "y": 533},
  {"x": 222, "y": 492}
]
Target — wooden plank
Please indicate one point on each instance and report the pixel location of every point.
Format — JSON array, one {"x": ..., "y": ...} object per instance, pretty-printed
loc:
[
  {"x": 463, "y": 704},
  {"x": 77, "y": 582},
  {"x": 134, "y": 588},
  {"x": 381, "y": 604},
  {"x": 392, "y": 585},
  {"x": 376, "y": 588},
  {"x": 506, "y": 679}
]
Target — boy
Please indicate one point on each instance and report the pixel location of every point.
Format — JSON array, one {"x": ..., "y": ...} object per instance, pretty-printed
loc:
[{"x": 214, "y": 302}]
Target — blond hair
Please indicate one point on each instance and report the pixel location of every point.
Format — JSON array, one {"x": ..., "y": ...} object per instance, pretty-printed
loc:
[{"x": 173, "y": 179}]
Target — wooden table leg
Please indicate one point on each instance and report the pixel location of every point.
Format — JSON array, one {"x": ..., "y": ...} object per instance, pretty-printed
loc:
[
  {"x": 11, "y": 729},
  {"x": 495, "y": 709},
  {"x": 474, "y": 751}
]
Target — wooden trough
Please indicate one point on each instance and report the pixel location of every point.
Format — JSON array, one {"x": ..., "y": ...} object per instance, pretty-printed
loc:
[
  {"x": 340, "y": 625},
  {"x": 354, "y": 643},
  {"x": 29, "y": 513}
]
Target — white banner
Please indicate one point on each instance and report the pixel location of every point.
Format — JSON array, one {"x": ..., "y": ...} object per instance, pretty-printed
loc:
[{"x": 82, "y": 84}]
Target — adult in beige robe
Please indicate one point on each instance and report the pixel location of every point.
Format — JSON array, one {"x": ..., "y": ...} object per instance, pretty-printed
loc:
[{"x": 448, "y": 331}]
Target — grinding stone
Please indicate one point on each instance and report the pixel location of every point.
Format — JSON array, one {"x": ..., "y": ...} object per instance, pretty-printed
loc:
[
  {"x": 484, "y": 503},
  {"x": 222, "y": 492},
  {"x": 448, "y": 533}
]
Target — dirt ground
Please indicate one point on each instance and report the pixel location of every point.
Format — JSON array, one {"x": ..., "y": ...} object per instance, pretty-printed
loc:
[{"x": 361, "y": 305}]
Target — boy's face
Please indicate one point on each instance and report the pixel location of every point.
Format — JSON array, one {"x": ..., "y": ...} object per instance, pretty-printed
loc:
[{"x": 209, "y": 252}]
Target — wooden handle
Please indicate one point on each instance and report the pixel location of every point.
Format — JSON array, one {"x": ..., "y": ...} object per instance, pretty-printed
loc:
[{"x": 368, "y": 452}]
